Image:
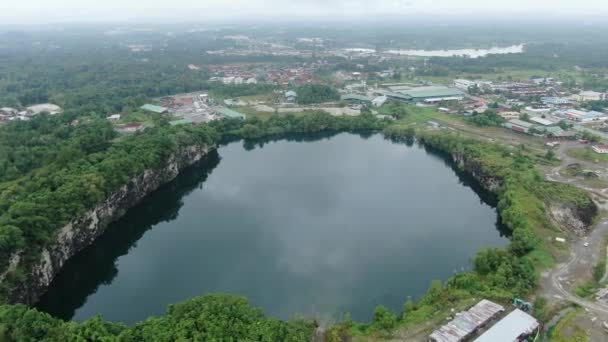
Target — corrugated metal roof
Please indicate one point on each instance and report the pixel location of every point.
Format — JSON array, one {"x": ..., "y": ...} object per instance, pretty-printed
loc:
[
  {"x": 541, "y": 121},
  {"x": 229, "y": 113},
  {"x": 521, "y": 123},
  {"x": 355, "y": 97},
  {"x": 467, "y": 322},
  {"x": 424, "y": 92},
  {"x": 153, "y": 108},
  {"x": 508, "y": 329},
  {"x": 398, "y": 96}
]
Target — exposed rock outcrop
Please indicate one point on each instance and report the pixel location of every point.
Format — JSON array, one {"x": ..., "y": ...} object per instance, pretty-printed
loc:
[
  {"x": 573, "y": 218},
  {"x": 84, "y": 230},
  {"x": 489, "y": 182}
]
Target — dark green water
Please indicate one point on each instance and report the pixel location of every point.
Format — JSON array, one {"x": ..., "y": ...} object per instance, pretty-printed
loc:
[{"x": 313, "y": 227}]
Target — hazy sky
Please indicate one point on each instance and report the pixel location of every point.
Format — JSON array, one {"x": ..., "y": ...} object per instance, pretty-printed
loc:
[{"x": 45, "y": 11}]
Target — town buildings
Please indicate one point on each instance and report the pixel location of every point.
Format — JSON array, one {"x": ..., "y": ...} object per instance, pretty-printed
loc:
[{"x": 584, "y": 96}]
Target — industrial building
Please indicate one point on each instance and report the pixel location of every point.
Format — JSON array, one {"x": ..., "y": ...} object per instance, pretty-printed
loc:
[
  {"x": 590, "y": 96},
  {"x": 519, "y": 125},
  {"x": 44, "y": 107},
  {"x": 516, "y": 326},
  {"x": 543, "y": 122},
  {"x": 509, "y": 115},
  {"x": 426, "y": 94},
  {"x": 229, "y": 113},
  {"x": 537, "y": 111},
  {"x": 356, "y": 99},
  {"x": 555, "y": 101},
  {"x": 154, "y": 109},
  {"x": 582, "y": 116},
  {"x": 464, "y": 84},
  {"x": 467, "y": 323},
  {"x": 379, "y": 101}
]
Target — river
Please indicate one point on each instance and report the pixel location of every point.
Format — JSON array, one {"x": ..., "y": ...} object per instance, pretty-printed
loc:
[
  {"x": 471, "y": 53},
  {"x": 317, "y": 226}
]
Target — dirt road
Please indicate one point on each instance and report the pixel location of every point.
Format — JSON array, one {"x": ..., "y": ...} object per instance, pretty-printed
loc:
[{"x": 558, "y": 283}]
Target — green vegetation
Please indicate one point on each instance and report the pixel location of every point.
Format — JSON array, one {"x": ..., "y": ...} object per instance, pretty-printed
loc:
[
  {"x": 75, "y": 177},
  {"x": 82, "y": 170},
  {"x": 599, "y": 270},
  {"x": 315, "y": 93},
  {"x": 499, "y": 274},
  {"x": 38, "y": 203},
  {"x": 395, "y": 109},
  {"x": 586, "y": 153},
  {"x": 566, "y": 330},
  {"x": 487, "y": 118},
  {"x": 207, "y": 318},
  {"x": 586, "y": 289}
]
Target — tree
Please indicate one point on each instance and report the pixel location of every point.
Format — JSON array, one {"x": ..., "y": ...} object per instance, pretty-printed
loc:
[
  {"x": 316, "y": 93},
  {"x": 384, "y": 320}
]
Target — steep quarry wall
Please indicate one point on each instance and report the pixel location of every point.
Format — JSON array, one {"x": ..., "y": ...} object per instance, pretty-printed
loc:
[{"x": 84, "y": 230}]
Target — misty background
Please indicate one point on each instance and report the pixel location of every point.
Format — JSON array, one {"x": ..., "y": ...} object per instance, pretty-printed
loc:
[{"x": 34, "y": 12}]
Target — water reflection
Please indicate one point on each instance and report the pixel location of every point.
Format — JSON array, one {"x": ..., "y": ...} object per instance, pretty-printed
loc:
[
  {"x": 317, "y": 224},
  {"x": 96, "y": 264}
]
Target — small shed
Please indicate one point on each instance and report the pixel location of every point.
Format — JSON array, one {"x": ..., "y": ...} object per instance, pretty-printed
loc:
[{"x": 291, "y": 96}]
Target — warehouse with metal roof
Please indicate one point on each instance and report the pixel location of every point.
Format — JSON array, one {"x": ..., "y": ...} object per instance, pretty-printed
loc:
[
  {"x": 467, "y": 323},
  {"x": 519, "y": 125},
  {"x": 427, "y": 94},
  {"x": 356, "y": 98},
  {"x": 154, "y": 109},
  {"x": 516, "y": 326},
  {"x": 421, "y": 94},
  {"x": 229, "y": 113}
]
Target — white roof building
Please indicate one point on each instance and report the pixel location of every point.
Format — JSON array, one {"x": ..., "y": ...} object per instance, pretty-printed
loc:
[
  {"x": 590, "y": 96},
  {"x": 512, "y": 328},
  {"x": 44, "y": 107},
  {"x": 379, "y": 101},
  {"x": 464, "y": 84},
  {"x": 541, "y": 121},
  {"x": 601, "y": 149}
]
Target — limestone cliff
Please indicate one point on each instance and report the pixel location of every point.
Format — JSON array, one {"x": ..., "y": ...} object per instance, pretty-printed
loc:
[
  {"x": 84, "y": 230},
  {"x": 488, "y": 182}
]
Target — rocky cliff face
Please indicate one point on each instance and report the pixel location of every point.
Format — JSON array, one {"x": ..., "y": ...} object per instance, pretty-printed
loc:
[
  {"x": 488, "y": 182},
  {"x": 83, "y": 231}
]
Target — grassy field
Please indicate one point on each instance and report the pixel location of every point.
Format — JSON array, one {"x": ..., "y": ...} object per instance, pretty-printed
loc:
[{"x": 586, "y": 153}]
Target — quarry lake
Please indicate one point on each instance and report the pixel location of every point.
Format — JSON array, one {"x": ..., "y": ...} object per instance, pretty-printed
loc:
[{"x": 316, "y": 226}]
